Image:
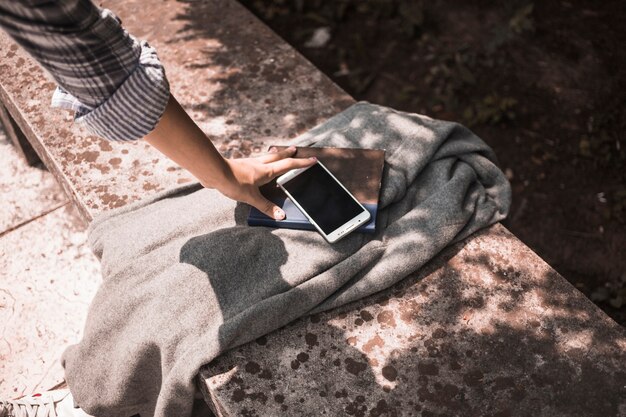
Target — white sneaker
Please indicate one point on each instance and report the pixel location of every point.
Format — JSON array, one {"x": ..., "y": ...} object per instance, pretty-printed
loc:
[{"x": 58, "y": 403}]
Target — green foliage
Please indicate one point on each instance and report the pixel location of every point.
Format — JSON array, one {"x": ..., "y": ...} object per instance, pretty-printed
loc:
[
  {"x": 613, "y": 296},
  {"x": 521, "y": 21},
  {"x": 449, "y": 75},
  {"x": 604, "y": 143},
  {"x": 410, "y": 14},
  {"x": 492, "y": 109}
]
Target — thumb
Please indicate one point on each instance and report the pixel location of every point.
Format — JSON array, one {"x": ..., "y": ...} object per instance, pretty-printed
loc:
[{"x": 267, "y": 207}]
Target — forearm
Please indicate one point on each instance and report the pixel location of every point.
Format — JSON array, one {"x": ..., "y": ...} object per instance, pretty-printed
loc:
[
  {"x": 181, "y": 140},
  {"x": 119, "y": 90}
]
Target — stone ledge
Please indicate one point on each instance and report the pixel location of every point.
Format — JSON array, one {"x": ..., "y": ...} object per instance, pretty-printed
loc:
[
  {"x": 239, "y": 81},
  {"x": 487, "y": 328},
  {"x": 490, "y": 329}
]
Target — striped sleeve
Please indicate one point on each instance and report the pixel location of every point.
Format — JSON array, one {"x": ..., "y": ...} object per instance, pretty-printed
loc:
[{"x": 114, "y": 83}]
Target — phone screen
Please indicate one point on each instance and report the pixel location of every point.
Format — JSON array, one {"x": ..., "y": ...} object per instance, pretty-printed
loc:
[{"x": 328, "y": 204}]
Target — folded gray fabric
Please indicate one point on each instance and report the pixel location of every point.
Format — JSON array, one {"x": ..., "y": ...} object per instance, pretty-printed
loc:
[{"x": 184, "y": 277}]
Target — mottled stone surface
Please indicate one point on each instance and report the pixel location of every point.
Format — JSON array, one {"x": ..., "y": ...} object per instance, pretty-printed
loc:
[
  {"x": 487, "y": 328},
  {"x": 25, "y": 192},
  {"x": 48, "y": 277},
  {"x": 240, "y": 82}
]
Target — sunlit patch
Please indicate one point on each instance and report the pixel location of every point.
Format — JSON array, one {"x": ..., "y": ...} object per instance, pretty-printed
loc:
[
  {"x": 289, "y": 120},
  {"x": 217, "y": 126}
]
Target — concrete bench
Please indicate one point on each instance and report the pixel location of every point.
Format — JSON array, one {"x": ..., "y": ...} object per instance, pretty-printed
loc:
[
  {"x": 239, "y": 81},
  {"x": 488, "y": 330}
]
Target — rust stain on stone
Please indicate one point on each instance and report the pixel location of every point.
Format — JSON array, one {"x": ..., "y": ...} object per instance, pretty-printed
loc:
[
  {"x": 238, "y": 395},
  {"x": 311, "y": 340},
  {"x": 252, "y": 367},
  {"x": 409, "y": 311},
  {"x": 105, "y": 146},
  {"x": 115, "y": 161},
  {"x": 148, "y": 186},
  {"x": 355, "y": 367},
  {"x": 113, "y": 200},
  {"x": 428, "y": 368},
  {"x": 87, "y": 156},
  {"x": 366, "y": 315},
  {"x": 386, "y": 318},
  {"x": 375, "y": 341},
  {"x": 104, "y": 169},
  {"x": 390, "y": 373}
]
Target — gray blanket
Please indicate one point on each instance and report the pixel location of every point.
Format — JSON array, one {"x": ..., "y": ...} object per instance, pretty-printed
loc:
[{"x": 184, "y": 277}]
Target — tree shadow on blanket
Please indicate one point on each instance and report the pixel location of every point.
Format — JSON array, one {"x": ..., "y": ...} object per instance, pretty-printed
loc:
[
  {"x": 460, "y": 337},
  {"x": 255, "y": 281},
  {"x": 232, "y": 260}
]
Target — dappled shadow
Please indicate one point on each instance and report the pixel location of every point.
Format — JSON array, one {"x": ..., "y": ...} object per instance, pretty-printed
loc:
[
  {"x": 233, "y": 260},
  {"x": 259, "y": 276},
  {"x": 485, "y": 329},
  {"x": 209, "y": 283},
  {"x": 258, "y": 83},
  {"x": 443, "y": 187},
  {"x": 438, "y": 187}
]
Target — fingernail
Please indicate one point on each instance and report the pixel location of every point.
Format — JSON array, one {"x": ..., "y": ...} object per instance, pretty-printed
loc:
[
  {"x": 273, "y": 149},
  {"x": 313, "y": 158},
  {"x": 279, "y": 214},
  {"x": 291, "y": 148}
]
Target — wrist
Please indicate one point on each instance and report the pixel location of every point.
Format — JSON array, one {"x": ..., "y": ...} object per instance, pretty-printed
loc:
[{"x": 216, "y": 175}]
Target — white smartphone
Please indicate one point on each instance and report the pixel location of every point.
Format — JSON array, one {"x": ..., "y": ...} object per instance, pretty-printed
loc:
[{"x": 327, "y": 204}]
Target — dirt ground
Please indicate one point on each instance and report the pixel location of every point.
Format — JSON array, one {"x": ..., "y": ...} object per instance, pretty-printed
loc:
[{"x": 542, "y": 82}]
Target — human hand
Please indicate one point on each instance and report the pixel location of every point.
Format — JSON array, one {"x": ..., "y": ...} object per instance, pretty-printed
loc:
[
  {"x": 182, "y": 141},
  {"x": 248, "y": 174}
]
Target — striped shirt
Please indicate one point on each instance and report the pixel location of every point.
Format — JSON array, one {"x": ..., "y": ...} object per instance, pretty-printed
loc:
[{"x": 114, "y": 83}]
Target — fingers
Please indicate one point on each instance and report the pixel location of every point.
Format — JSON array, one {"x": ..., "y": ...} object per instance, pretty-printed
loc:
[
  {"x": 285, "y": 165},
  {"x": 266, "y": 207},
  {"x": 276, "y": 155}
]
